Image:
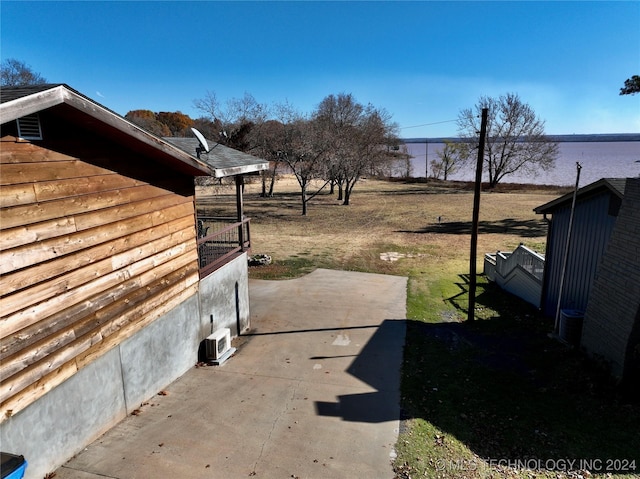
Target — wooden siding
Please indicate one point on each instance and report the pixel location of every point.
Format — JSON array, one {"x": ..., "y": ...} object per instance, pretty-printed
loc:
[
  {"x": 592, "y": 226},
  {"x": 95, "y": 243}
]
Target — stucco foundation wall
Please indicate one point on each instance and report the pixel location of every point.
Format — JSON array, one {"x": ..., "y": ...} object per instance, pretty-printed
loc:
[
  {"x": 615, "y": 298},
  {"x": 224, "y": 298},
  {"x": 59, "y": 424},
  {"x": 160, "y": 353}
]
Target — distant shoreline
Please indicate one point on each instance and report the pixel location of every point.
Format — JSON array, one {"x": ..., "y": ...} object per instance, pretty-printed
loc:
[{"x": 599, "y": 137}]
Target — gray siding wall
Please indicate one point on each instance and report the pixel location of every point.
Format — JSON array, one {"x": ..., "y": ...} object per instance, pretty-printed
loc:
[
  {"x": 61, "y": 423},
  {"x": 592, "y": 227},
  {"x": 613, "y": 310}
]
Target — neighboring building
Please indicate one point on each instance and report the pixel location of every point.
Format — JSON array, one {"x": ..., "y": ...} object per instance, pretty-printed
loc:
[
  {"x": 597, "y": 207},
  {"x": 612, "y": 319},
  {"x": 109, "y": 281},
  {"x": 603, "y": 268}
]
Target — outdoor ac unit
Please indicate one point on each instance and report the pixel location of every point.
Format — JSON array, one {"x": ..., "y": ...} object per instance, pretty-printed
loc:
[{"x": 217, "y": 344}]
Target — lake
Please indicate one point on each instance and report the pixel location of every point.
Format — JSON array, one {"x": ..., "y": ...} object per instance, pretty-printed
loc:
[{"x": 606, "y": 159}]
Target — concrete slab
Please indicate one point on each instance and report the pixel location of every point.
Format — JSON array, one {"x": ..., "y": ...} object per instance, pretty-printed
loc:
[{"x": 312, "y": 392}]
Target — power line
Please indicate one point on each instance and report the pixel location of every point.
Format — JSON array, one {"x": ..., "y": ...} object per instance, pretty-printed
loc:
[{"x": 428, "y": 124}]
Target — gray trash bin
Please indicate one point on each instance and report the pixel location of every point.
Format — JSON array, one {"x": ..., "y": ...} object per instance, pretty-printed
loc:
[{"x": 571, "y": 325}]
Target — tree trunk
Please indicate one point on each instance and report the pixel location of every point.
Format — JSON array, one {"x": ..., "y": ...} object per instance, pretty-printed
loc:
[
  {"x": 264, "y": 185},
  {"x": 273, "y": 181},
  {"x": 347, "y": 192},
  {"x": 304, "y": 199}
]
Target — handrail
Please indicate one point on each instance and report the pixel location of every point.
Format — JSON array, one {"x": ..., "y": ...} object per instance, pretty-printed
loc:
[
  {"x": 217, "y": 248},
  {"x": 522, "y": 257}
]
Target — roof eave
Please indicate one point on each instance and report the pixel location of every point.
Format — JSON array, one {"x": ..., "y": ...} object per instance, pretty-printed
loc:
[
  {"x": 14, "y": 109},
  {"x": 240, "y": 170},
  {"x": 28, "y": 105},
  {"x": 600, "y": 184}
]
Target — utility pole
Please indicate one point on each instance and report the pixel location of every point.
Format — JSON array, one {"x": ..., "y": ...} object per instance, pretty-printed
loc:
[
  {"x": 426, "y": 158},
  {"x": 476, "y": 218}
]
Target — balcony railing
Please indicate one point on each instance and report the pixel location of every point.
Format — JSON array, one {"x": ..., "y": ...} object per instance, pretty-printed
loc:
[{"x": 221, "y": 239}]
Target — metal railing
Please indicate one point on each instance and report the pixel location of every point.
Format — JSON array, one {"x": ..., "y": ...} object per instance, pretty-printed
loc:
[
  {"x": 221, "y": 239},
  {"x": 524, "y": 258},
  {"x": 521, "y": 272}
]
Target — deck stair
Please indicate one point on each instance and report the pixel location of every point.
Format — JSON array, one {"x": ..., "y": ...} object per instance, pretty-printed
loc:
[{"x": 520, "y": 272}]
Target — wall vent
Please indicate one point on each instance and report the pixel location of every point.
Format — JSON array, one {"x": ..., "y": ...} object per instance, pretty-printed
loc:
[
  {"x": 29, "y": 127},
  {"x": 218, "y": 345}
]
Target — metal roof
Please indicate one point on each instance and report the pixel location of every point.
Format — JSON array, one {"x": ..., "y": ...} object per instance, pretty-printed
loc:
[
  {"x": 224, "y": 160},
  {"x": 615, "y": 185},
  {"x": 20, "y": 101}
]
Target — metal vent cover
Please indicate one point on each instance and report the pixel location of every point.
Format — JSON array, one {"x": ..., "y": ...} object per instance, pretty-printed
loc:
[{"x": 29, "y": 127}]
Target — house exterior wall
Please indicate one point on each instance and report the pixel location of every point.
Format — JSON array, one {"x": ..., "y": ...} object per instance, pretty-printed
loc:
[
  {"x": 614, "y": 306},
  {"x": 224, "y": 298},
  {"x": 96, "y": 242},
  {"x": 61, "y": 423},
  {"x": 592, "y": 226},
  {"x": 99, "y": 283}
]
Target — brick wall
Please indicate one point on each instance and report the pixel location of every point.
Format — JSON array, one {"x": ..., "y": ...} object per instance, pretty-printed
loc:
[{"x": 614, "y": 303}]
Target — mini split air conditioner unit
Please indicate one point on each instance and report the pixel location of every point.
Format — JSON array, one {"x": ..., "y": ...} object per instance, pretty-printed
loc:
[{"x": 218, "y": 346}]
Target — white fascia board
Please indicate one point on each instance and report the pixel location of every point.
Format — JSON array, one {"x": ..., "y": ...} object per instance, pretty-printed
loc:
[
  {"x": 27, "y": 105},
  {"x": 240, "y": 170}
]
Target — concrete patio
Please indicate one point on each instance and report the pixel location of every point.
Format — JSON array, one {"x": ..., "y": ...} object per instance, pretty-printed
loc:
[{"x": 312, "y": 392}]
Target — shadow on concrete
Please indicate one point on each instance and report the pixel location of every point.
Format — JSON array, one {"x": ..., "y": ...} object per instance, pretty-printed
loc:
[
  {"x": 310, "y": 330},
  {"x": 523, "y": 228},
  {"x": 379, "y": 365}
]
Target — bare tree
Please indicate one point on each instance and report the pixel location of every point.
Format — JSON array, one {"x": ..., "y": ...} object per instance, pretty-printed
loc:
[
  {"x": 450, "y": 159},
  {"x": 236, "y": 122},
  {"x": 357, "y": 138},
  {"x": 400, "y": 164},
  {"x": 515, "y": 142},
  {"x": 16, "y": 73},
  {"x": 300, "y": 144},
  {"x": 268, "y": 148}
]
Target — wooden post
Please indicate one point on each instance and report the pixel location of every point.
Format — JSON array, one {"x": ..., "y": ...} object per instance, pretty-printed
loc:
[
  {"x": 240, "y": 209},
  {"x": 476, "y": 217}
]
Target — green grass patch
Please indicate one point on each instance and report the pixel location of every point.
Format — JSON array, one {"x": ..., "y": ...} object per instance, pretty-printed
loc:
[
  {"x": 483, "y": 398},
  {"x": 291, "y": 267}
]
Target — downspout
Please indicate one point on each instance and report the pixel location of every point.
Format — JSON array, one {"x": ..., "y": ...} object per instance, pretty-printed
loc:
[
  {"x": 545, "y": 277},
  {"x": 566, "y": 249}
]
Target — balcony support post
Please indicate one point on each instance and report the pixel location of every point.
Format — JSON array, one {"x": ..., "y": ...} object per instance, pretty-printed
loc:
[{"x": 240, "y": 208}]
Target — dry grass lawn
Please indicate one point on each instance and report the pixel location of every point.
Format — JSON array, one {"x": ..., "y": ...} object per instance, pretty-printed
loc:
[{"x": 431, "y": 219}]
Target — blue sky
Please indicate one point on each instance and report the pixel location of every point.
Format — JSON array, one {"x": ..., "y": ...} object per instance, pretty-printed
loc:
[{"x": 421, "y": 61}]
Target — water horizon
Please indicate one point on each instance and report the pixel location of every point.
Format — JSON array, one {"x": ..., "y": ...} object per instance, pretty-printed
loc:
[{"x": 598, "y": 159}]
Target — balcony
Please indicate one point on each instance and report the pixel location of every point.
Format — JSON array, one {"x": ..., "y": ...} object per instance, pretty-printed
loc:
[{"x": 221, "y": 239}]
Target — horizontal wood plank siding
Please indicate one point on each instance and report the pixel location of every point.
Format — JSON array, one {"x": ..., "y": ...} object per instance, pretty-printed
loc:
[{"x": 89, "y": 255}]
